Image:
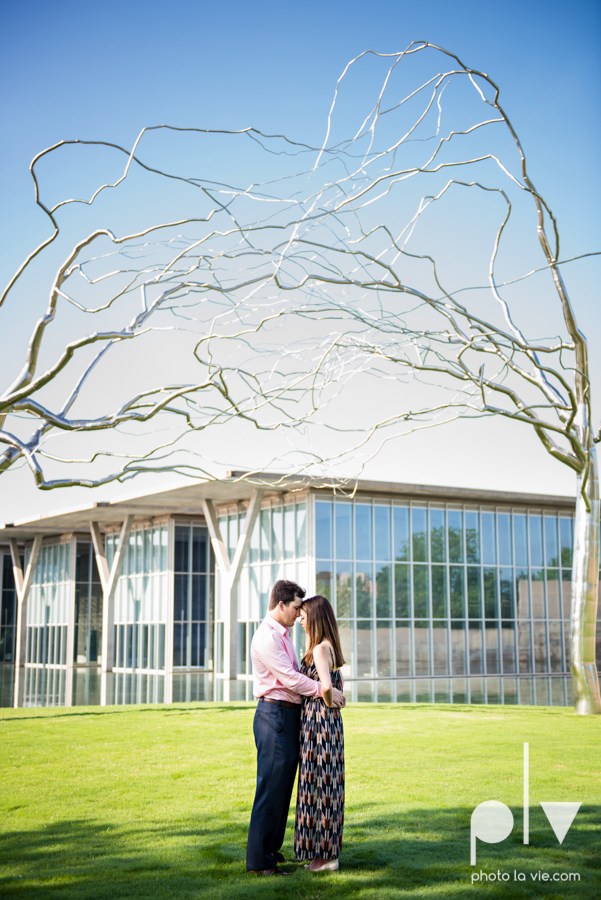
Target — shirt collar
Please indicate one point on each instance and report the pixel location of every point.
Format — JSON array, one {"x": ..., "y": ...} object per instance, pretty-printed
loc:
[{"x": 275, "y": 624}]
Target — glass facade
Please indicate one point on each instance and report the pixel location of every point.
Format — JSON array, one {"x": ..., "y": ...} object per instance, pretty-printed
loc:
[
  {"x": 141, "y": 598},
  {"x": 278, "y": 549},
  {"x": 48, "y": 606},
  {"x": 436, "y": 601},
  {"x": 429, "y": 590}
]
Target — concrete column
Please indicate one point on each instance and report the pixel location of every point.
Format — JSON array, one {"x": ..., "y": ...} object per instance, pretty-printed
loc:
[
  {"x": 109, "y": 579},
  {"x": 23, "y": 585},
  {"x": 230, "y": 577}
]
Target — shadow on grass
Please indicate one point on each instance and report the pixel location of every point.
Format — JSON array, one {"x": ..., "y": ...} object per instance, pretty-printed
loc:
[
  {"x": 415, "y": 853},
  {"x": 170, "y": 710}
]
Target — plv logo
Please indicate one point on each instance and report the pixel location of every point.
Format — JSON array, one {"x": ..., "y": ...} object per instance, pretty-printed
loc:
[{"x": 492, "y": 821}]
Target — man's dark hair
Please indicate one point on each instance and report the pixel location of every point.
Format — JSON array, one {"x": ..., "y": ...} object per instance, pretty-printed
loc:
[{"x": 285, "y": 591}]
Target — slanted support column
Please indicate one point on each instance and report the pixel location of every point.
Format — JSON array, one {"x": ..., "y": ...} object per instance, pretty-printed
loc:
[
  {"x": 108, "y": 579},
  {"x": 230, "y": 575},
  {"x": 23, "y": 586}
]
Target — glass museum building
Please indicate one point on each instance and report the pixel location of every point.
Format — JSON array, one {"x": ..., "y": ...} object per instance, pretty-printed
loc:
[{"x": 441, "y": 594}]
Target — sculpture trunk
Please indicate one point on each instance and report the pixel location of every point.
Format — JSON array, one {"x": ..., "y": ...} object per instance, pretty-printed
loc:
[{"x": 585, "y": 587}]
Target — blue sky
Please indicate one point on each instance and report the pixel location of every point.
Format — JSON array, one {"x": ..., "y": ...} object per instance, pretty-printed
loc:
[{"x": 106, "y": 69}]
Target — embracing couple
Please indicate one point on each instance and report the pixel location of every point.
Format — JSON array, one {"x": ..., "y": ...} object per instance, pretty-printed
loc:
[{"x": 298, "y": 716}]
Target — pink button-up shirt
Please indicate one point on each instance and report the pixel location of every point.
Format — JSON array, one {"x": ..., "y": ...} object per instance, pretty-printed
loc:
[{"x": 276, "y": 673}]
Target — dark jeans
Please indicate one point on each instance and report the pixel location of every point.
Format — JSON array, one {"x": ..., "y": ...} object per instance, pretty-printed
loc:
[{"x": 276, "y": 730}]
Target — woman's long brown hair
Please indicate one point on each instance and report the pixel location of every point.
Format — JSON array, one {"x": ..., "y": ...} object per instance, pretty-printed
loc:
[{"x": 321, "y": 625}]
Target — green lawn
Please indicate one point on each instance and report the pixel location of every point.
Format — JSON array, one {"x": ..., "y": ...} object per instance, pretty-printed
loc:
[{"x": 153, "y": 803}]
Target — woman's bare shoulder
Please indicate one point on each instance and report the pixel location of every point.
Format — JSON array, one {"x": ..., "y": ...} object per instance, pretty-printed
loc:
[{"x": 325, "y": 651}]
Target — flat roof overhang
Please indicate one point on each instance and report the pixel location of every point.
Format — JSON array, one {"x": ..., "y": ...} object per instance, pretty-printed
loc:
[{"x": 186, "y": 499}]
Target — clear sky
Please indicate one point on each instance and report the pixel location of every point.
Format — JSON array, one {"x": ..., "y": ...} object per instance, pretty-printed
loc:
[{"x": 104, "y": 70}]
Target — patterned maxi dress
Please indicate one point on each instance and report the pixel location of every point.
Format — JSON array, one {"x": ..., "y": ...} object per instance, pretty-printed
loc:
[{"x": 320, "y": 798}]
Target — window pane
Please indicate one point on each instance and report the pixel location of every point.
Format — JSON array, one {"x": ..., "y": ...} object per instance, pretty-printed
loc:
[
  {"x": 458, "y": 662},
  {"x": 365, "y": 657},
  {"x": 489, "y": 539},
  {"x": 553, "y": 604},
  {"x": 438, "y": 537},
  {"x": 401, "y": 533},
  {"x": 364, "y": 591},
  {"x": 565, "y": 534},
  {"x": 382, "y": 531},
  {"x": 537, "y": 588},
  {"x": 420, "y": 592},
  {"x": 289, "y": 532},
  {"x": 439, "y": 592},
  {"x": 507, "y": 599},
  {"x": 421, "y": 639},
  {"x": 457, "y": 592},
  {"x": 508, "y": 642},
  {"x": 504, "y": 526},
  {"x": 455, "y": 517},
  {"x": 323, "y": 529},
  {"x": 491, "y": 609},
  {"x": 419, "y": 527},
  {"x": 472, "y": 537},
  {"x": 440, "y": 648},
  {"x": 344, "y": 580},
  {"x": 475, "y": 651},
  {"x": 383, "y": 591},
  {"x": 555, "y": 643},
  {"x": 541, "y": 662},
  {"x": 253, "y": 552},
  {"x": 403, "y": 648},
  {"x": 323, "y": 579},
  {"x": 523, "y": 593},
  {"x": 521, "y": 540},
  {"x": 199, "y": 550},
  {"x": 383, "y": 648},
  {"x": 345, "y": 629},
  {"x": 551, "y": 545},
  {"x": 265, "y": 517},
  {"x": 401, "y": 590},
  {"x": 474, "y": 598},
  {"x": 363, "y": 539},
  {"x": 493, "y": 663},
  {"x": 301, "y": 529},
  {"x": 180, "y": 597},
  {"x": 566, "y": 592},
  {"x": 277, "y": 533},
  {"x": 199, "y": 597},
  {"x": 182, "y": 537},
  {"x": 525, "y": 653},
  {"x": 536, "y": 541},
  {"x": 344, "y": 531}
]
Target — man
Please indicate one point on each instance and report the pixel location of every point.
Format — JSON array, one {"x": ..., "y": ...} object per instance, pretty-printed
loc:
[{"x": 280, "y": 687}]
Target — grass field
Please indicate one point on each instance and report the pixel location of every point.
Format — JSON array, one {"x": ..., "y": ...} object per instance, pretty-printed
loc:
[{"x": 153, "y": 803}]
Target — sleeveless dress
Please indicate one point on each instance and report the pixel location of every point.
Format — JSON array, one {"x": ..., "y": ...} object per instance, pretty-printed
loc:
[{"x": 320, "y": 797}]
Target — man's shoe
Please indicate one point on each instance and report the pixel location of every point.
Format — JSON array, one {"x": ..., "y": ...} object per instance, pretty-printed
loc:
[
  {"x": 280, "y": 857},
  {"x": 268, "y": 872}
]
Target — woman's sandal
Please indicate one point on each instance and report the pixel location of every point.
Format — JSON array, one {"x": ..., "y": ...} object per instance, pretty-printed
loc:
[{"x": 331, "y": 866}]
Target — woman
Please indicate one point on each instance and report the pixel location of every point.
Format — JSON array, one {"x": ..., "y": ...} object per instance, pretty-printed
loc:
[{"x": 320, "y": 799}]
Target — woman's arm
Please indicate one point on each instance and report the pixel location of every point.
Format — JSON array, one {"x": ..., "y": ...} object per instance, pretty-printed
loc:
[{"x": 321, "y": 657}]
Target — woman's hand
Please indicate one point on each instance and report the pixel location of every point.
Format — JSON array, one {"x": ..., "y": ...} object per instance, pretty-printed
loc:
[{"x": 321, "y": 660}]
